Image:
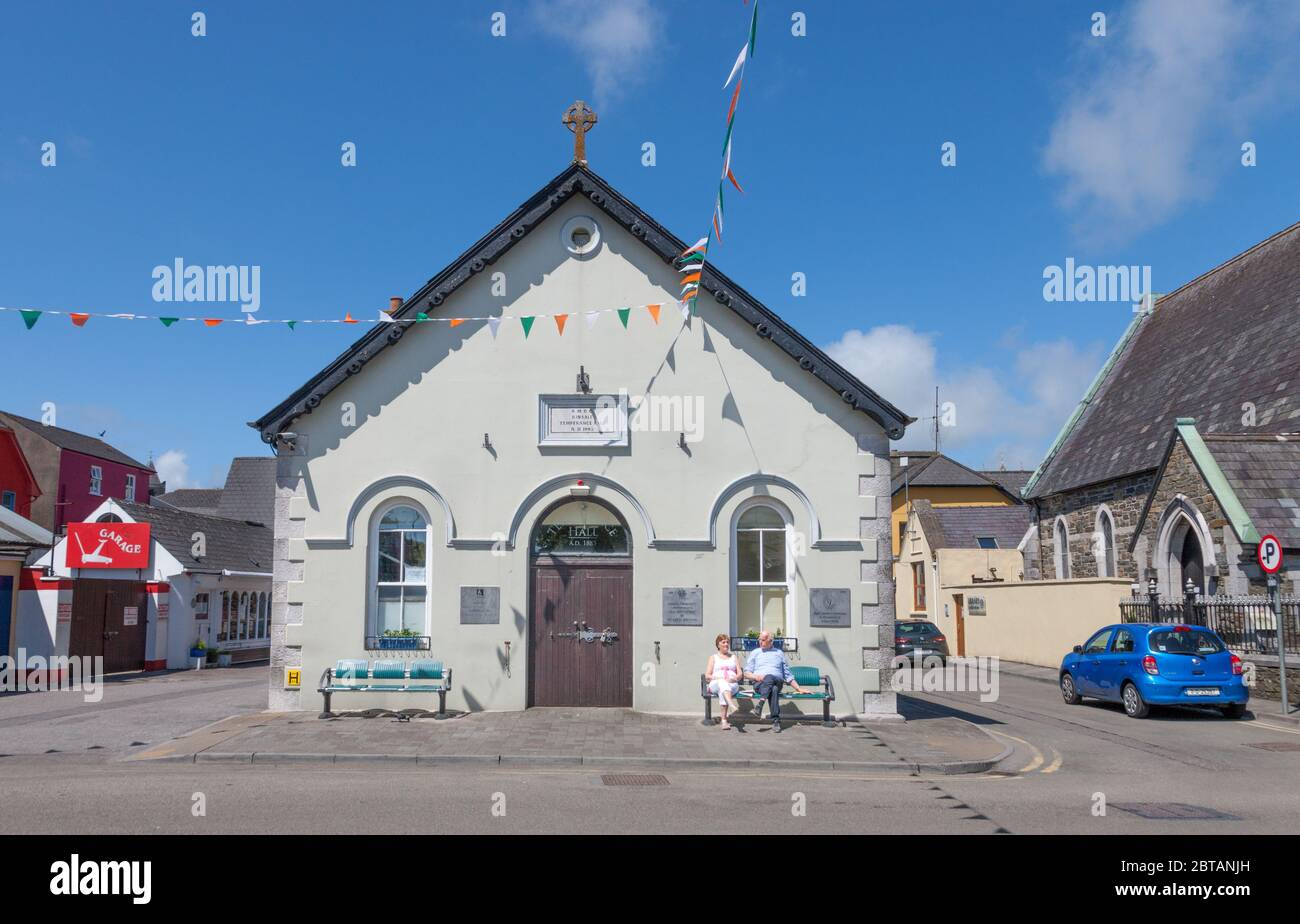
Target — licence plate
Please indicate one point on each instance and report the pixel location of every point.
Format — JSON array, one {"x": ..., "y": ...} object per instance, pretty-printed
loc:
[{"x": 1202, "y": 691}]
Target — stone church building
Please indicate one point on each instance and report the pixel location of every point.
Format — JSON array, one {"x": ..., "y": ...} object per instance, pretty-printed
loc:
[
  {"x": 1186, "y": 448},
  {"x": 565, "y": 502}
]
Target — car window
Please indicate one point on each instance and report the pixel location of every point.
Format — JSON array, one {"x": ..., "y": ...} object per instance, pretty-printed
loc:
[
  {"x": 1186, "y": 641},
  {"x": 1098, "y": 641},
  {"x": 1123, "y": 641},
  {"x": 916, "y": 628}
]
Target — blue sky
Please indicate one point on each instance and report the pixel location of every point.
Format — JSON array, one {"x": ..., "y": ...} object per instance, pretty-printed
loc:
[{"x": 225, "y": 149}]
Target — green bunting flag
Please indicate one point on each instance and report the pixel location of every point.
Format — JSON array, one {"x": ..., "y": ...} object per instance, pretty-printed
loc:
[
  {"x": 623, "y": 314},
  {"x": 168, "y": 322},
  {"x": 291, "y": 324},
  {"x": 30, "y": 318},
  {"x": 421, "y": 316},
  {"x": 528, "y": 325}
]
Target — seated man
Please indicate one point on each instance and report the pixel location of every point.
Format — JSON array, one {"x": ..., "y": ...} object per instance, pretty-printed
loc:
[{"x": 770, "y": 671}]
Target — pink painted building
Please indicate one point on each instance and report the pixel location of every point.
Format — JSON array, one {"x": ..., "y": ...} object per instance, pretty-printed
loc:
[{"x": 76, "y": 473}]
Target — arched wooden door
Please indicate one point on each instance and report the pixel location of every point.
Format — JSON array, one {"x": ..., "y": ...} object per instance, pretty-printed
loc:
[{"x": 580, "y": 607}]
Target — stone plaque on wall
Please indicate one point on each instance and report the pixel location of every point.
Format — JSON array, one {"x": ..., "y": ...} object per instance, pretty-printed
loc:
[
  {"x": 480, "y": 605},
  {"x": 975, "y": 606},
  {"x": 828, "y": 607},
  {"x": 683, "y": 606}
]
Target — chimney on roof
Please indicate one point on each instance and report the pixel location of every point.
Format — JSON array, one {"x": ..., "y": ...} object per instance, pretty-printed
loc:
[{"x": 394, "y": 303}]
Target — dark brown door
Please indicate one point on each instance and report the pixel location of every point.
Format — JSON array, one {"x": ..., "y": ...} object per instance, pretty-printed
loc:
[
  {"x": 960, "y": 601},
  {"x": 101, "y": 623},
  {"x": 573, "y": 660}
]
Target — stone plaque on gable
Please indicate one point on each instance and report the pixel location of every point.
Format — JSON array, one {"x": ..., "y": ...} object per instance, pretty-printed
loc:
[
  {"x": 828, "y": 607},
  {"x": 683, "y": 606},
  {"x": 480, "y": 605}
]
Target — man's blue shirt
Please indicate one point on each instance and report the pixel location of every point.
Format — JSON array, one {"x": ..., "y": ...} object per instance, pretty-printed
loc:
[{"x": 772, "y": 661}]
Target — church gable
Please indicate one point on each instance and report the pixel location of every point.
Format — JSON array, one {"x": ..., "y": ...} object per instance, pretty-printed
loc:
[{"x": 578, "y": 180}]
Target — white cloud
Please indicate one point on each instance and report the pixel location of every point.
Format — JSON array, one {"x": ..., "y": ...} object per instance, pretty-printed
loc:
[
  {"x": 614, "y": 39},
  {"x": 1007, "y": 409},
  {"x": 1174, "y": 85},
  {"x": 173, "y": 469}
]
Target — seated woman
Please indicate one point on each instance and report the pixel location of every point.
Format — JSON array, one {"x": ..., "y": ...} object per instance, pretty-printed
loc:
[{"x": 723, "y": 674}]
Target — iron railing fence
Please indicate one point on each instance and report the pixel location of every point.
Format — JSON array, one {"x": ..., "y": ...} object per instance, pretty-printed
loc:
[{"x": 1246, "y": 624}]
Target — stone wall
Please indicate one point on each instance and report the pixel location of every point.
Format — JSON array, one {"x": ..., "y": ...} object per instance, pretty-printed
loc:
[{"x": 1123, "y": 497}]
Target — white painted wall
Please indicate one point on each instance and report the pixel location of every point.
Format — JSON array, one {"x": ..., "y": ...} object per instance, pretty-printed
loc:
[{"x": 423, "y": 406}]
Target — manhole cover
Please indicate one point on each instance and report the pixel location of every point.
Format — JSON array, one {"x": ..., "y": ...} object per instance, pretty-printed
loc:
[
  {"x": 1275, "y": 745},
  {"x": 1174, "y": 811},
  {"x": 634, "y": 779}
]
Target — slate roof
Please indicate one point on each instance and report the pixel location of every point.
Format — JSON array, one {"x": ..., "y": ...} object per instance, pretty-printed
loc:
[
  {"x": 249, "y": 493},
  {"x": 76, "y": 442},
  {"x": 1228, "y": 337},
  {"x": 1014, "y": 480},
  {"x": 19, "y": 533},
  {"x": 578, "y": 179},
  {"x": 929, "y": 523},
  {"x": 195, "y": 500},
  {"x": 930, "y": 469},
  {"x": 231, "y": 544},
  {"x": 1264, "y": 472},
  {"x": 963, "y": 525}
]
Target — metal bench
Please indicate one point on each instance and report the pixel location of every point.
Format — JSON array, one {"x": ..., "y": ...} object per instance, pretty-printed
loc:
[
  {"x": 805, "y": 676},
  {"x": 361, "y": 676}
]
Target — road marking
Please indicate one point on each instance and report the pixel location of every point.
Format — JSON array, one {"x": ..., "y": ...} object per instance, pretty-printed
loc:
[
  {"x": 1038, "y": 755},
  {"x": 1271, "y": 727},
  {"x": 1056, "y": 763}
]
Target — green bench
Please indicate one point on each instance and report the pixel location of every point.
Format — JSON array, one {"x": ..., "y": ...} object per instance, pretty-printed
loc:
[
  {"x": 390, "y": 676},
  {"x": 807, "y": 677}
]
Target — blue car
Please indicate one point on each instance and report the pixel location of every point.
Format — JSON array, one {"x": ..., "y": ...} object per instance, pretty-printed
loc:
[{"x": 1155, "y": 664}]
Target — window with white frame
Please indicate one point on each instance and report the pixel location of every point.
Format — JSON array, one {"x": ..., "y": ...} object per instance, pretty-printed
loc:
[
  {"x": 762, "y": 572},
  {"x": 9, "y": 499},
  {"x": 129, "y": 493},
  {"x": 96, "y": 480},
  {"x": 1061, "y": 549},
  {"x": 400, "y": 571}
]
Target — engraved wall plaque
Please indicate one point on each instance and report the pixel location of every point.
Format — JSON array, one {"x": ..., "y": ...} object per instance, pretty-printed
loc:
[
  {"x": 683, "y": 606},
  {"x": 480, "y": 606},
  {"x": 828, "y": 607}
]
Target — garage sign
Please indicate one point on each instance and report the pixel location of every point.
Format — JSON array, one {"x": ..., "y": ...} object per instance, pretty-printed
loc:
[{"x": 108, "y": 545}]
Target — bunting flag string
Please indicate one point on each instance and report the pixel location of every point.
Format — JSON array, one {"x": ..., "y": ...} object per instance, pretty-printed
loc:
[
  {"x": 693, "y": 258},
  {"x": 592, "y": 316}
]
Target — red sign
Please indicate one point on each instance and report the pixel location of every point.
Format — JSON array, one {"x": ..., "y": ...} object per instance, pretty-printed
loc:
[
  {"x": 1269, "y": 554},
  {"x": 108, "y": 545}
]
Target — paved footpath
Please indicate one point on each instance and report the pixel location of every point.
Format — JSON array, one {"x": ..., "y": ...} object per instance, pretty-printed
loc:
[{"x": 596, "y": 737}]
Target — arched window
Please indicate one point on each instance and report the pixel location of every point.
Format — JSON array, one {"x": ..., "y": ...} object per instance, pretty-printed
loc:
[
  {"x": 243, "y": 616},
  {"x": 1104, "y": 543},
  {"x": 762, "y": 572},
  {"x": 224, "y": 630},
  {"x": 261, "y": 615},
  {"x": 400, "y": 571},
  {"x": 1061, "y": 549}
]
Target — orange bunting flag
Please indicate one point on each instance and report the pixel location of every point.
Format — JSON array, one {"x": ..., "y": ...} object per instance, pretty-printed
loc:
[
  {"x": 212, "y": 322},
  {"x": 457, "y": 322},
  {"x": 559, "y": 322},
  {"x": 348, "y": 319},
  {"x": 692, "y": 277},
  {"x": 654, "y": 312},
  {"x": 79, "y": 319}
]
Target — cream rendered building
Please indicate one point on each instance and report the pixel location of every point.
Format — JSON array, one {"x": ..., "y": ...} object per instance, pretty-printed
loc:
[{"x": 440, "y": 487}]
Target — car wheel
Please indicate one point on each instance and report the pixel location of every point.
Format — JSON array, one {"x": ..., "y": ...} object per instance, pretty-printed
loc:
[
  {"x": 1234, "y": 710},
  {"x": 1134, "y": 705},
  {"x": 1068, "y": 691}
]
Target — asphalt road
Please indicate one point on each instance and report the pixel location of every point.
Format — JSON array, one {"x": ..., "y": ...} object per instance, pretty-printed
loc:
[{"x": 1064, "y": 757}]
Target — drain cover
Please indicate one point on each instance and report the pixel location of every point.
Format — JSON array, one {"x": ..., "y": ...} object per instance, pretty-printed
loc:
[
  {"x": 634, "y": 779},
  {"x": 1275, "y": 745},
  {"x": 1174, "y": 811}
]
